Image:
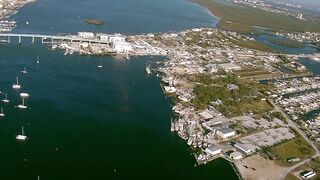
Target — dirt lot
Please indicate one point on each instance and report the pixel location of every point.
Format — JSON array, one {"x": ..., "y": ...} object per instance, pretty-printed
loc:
[{"x": 264, "y": 169}]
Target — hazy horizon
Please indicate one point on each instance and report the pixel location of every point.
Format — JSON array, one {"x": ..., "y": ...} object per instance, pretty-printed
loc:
[{"x": 313, "y": 5}]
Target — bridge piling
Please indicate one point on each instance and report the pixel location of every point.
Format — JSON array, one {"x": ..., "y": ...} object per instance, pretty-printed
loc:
[
  {"x": 19, "y": 40},
  {"x": 32, "y": 40}
]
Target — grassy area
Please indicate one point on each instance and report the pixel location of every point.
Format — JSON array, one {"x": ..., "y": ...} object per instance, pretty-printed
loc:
[
  {"x": 246, "y": 99},
  {"x": 291, "y": 177},
  {"x": 235, "y": 26},
  {"x": 297, "y": 147},
  {"x": 243, "y": 18},
  {"x": 254, "y": 45},
  {"x": 254, "y": 106},
  {"x": 287, "y": 43},
  {"x": 252, "y": 72}
]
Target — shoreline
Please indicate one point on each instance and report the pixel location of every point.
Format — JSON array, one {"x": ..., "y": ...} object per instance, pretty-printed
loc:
[{"x": 9, "y": 9}]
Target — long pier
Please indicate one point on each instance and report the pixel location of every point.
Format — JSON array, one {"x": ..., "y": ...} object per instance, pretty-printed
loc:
[{"x": 47, "y": 39}]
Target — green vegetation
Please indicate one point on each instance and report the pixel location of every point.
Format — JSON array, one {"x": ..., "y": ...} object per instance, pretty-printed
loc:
[
  {"x": 290, "y": 176},
  {"x": 247, "y": 99},
  {"x": 94, "y": 21},
  {"x": 235, "y": 26},
  {"x": 287, "y": 43},
  {"x": 250, "y": 72},
  {"x": 297, "y": 147},
  {"x": 253, "y": 45},
  {"x": 242, "y": 18}
]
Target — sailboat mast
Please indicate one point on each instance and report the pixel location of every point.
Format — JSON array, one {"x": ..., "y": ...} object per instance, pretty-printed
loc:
[
  {"x": 22, "y": 131},
  {"x": 17, "y": 80}
]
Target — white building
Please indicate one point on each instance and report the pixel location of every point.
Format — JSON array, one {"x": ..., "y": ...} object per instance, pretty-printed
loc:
[
  {"x": 117, "y": 39},
  {"x": 226, "y": 133},
  {"x": 104, "y": 37},
  {"x": 243, "y": 148},
  {"x": 205, "y": 115},
  {"x": 213, "y": 150},
  {"x": 307, "y": 174},
  {"x": 236, "y": 155},
  {"x": 122, "y": 47},
  {"x": 86, "y": 35}
]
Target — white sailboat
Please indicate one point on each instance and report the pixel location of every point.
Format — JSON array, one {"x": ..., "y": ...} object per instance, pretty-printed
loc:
[
  {"x": 22, "y": 106},
  {"x": 6, "y": 100},
  {"x": 148, "y": 70},
  {"x": 17, "y": 85},
  {"x": 24, "y": 71},
  {"x": 2, "y": 113},
  {"x": 24, "y": 95},
  {"x": 22, "y": 136},
  {"x": 100, "y": 65}
]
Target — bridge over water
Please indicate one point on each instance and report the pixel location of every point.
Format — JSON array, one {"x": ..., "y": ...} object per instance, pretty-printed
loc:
[{"x": 47, "y": 39}]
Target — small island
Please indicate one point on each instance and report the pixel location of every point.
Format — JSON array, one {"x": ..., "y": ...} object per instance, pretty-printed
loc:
[{"x": 94, "y": 21}]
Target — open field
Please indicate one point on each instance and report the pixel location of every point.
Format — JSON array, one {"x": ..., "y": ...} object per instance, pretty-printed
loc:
[
  {"x": 242, "y": 18},
  {"x": 258, "y": 168},
  {"x": 297, "y": 147},
  {"x": 291, "y": 177}
]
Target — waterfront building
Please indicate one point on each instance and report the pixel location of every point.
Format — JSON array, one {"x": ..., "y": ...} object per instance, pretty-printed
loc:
[
  {"x": 122, "y": 47},
  {"x": 104, "y": 37},
  {"x": 213, "y": 150},
  {"x": 87, "y": 35},
  {"x": 236, "y": 155},
  {"x": 117, "y": 39}
]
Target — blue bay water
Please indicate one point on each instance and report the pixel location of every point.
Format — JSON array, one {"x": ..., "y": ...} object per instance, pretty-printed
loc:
[
  {"x": 125, "y": 16},
  {"x": 90, "y": 123}
]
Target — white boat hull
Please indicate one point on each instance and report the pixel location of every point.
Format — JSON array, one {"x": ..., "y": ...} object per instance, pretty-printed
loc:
[
  {"x": 25, "y": 95},
  {"x": 21, "y": 137},
  {"x": 16, "y": 86},
  {"x": 22, "y": 106}
]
